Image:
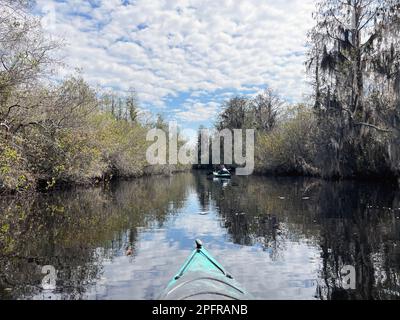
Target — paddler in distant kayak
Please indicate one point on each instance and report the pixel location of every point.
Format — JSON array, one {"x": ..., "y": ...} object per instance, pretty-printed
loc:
[{"x": 224, "y": 170}]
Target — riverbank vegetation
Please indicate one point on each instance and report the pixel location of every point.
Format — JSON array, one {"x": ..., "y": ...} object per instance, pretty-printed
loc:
[
  {"x": 351, "y": 128},
  {"x": 65, "y": 131},
  {"x": 60, "y": 132},
  {"x": 78, "y": 231}
]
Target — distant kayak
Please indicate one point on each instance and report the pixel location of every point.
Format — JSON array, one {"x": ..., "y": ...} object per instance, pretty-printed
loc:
[
  {"x": 202, "y": 278},
  {"x": 222, "y": 174}
]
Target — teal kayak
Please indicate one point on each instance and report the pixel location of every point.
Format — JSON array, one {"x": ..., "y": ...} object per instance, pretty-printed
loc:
[
  {"x": 221, "y": 175},
  {"x": 202, "y": 278}
]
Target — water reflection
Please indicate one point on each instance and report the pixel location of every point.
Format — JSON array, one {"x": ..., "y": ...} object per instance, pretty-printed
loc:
[{"x": 281, "y": 238}]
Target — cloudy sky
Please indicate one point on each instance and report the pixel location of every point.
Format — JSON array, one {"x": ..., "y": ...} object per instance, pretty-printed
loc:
[{"x": 184, "y": 57}]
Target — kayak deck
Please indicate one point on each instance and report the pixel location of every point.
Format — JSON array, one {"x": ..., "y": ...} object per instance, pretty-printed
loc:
[{"x": 203, "y": 278}]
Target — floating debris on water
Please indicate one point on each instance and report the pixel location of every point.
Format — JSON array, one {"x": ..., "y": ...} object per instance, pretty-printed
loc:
[{"x": 240, "y": 214}]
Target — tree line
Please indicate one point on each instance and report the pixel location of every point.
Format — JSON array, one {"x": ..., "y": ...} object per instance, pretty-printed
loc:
[
  {"x": 352, "y": 127},
  {"x": 68, "y": 131},
  {"x": 54, "y": 133}
]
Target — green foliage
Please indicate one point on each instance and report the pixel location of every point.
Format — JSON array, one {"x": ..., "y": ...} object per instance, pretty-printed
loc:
[
  {"x": 290, "y": 147},
  {"x": 13, "y": 172},
  {"x": 59, "y": 134},
  {"x": 73, "y": 140},
  {"x": 122, "y": 145}
]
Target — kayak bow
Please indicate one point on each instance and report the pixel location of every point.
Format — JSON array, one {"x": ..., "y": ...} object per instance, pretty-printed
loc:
[{"x": 202, "y": 278}]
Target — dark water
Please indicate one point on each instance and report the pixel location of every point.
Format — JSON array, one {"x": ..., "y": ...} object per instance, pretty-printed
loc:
[{"x": 280, "y": 238}]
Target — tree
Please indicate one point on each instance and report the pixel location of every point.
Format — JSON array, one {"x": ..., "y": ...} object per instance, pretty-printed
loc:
[
  {"x": 264, "y": 110},
  {"x": 233, "y": 115},
  {"x": 349, "y": 52},
  {"x": 132, "y": 106},
  {"x": 24, "y": 58},
  {"x": 160, "y": 123}
]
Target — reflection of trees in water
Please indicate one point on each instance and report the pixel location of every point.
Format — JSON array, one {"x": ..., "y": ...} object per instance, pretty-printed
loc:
[
  {"x": 68, "y": 229},
  {"x": 203, "y": 191},
  {"x": 360, "y": 228},
  {"x": 77, "y": 230},
  {"x": 336, "y": 217},
  {"x": 254, "y": 213}
]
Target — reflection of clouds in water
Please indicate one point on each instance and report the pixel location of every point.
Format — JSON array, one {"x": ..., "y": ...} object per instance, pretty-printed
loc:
[
  {"x": 159, "y": 254},
  {"x": 157, "y": 260},
  {"x": 193, "y": 223},
  {"x": 283, "y": 272},
  {"x": 196, "y": 225},
  {"x": 275, "y": 250},
  {"x": 287, "y": 278},
  {"x": 143, "y": 276}
]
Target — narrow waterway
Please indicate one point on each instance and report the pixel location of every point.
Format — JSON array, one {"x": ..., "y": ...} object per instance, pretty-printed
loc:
[{"x": 285, "y": 238}]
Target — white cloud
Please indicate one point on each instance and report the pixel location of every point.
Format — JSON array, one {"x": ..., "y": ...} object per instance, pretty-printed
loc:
[
  {"x": 197, "y": 111},
  {"x": 165, "y": 47}
]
